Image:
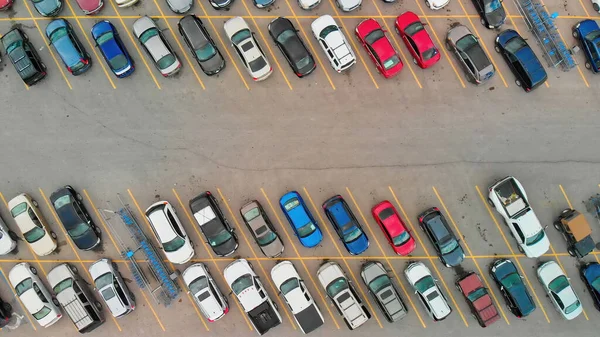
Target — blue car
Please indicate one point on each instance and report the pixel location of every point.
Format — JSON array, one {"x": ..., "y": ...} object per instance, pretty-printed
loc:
[
  {"x": 347, "y": 227},
  {"x": 67, "y": 45},
  {"x": 521, "y": 60},
  {"x": 588, "y": 34},
  {"x": 115, "y": 54},
  {"x": 304, "y": 225},
  {"x": 515, "y": 293},
  {"x": 590, "y": 275}
]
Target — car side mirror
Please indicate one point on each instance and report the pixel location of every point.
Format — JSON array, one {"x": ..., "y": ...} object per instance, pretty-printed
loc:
[
  {"x": 546, "y": 227},
  {"x": 501, "y": 287}
]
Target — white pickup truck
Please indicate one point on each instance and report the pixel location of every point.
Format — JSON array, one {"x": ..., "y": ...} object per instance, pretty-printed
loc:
[{"x": 508, "y": 197}]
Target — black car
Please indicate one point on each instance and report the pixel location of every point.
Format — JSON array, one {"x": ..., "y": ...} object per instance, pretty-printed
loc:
[
  {"x": 214, "y": 226},
  {"x": 75, "y": 218},
  {"x": 220, "y": 4},
  {"x": 23, "y": 56},
  {"x": 441, "y": 236},
  {"x": 521, "y": 59},
  {"x": 590, "y": 275},
  {"x": 492, "y": 13},
  {"x": 5, "y": 313},
  {"x": 297, "y": 55},
  {"x": 507, "y": 278},
  {"x": 201, "y": 45}
]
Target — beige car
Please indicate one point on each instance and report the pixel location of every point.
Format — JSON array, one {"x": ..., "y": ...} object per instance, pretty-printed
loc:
[
  {"x": 262, "y": 229},
  {"x": 32, "y": 224}
]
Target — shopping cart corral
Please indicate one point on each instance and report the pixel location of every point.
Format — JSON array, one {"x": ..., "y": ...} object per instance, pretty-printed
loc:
[
  {"x": 163, "y": 286},
  {"x": 541, "y": 24}
]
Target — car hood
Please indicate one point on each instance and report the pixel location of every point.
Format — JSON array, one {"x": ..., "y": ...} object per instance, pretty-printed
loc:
[
  {"x": 548, "y": 272},
  {"x": 329, "y": 272},
  {"x": 48, "y": 6},
  {"x": 359, "y": 245},
  {"x": 586, "y": 27},
  {"x": 592, "y": 272},
  {"x": 226, "y": 247},
  {"x": 497, "y": 17},
  {"x": 182, "y": 255},
  {"x": 455, "y": 257},
  {"x": 371, "y": 271}
]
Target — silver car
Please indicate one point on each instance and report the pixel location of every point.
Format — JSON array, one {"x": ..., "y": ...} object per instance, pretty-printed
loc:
[
  {"x": 262, "y": 229},
  {"x": 383, "y": 291},
  {"x": 559, "y": 290},
  {"x": 205, "y": 292},
  {"x": 474, "y": 61},
  {"x": 157, "y": 47},
  {"x": 430, "y": 295},
  {"x": 247, "y": 48},
  {"x": 348, "y": 5},
  {"x": 112, "y": 288},
  {"x": 180, "y": 6}
]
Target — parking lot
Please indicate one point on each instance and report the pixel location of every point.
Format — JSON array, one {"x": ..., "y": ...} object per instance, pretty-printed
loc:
[{"x": 424, "y": 138}]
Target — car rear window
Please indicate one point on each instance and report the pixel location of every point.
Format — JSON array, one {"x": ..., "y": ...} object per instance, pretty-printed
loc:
[
  {"x": 258, "y": 64},
  {"x": 414, "y": 28},
  {"x": 206, "y": 52},
  {"x": 42, "y": 313},
  {"x": 430, "y": 53},
  {"x": 391, "y": 62},
  {"x": 147, "y": 35},
  {"x": 118, "y": 62},
  {"x": 166, "y": 61}
]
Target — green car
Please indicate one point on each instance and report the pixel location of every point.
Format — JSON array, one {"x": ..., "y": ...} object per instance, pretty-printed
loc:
[
  {"x": 23, "y": 56},
  {"x": 48, "y": 7}
]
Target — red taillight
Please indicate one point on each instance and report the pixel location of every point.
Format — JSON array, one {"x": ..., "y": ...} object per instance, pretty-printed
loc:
[
  {"x": 59, "y": 315},
  {"x": 254, "y": 78},
  {"x": 421, "y": 219},
  {"x": 210, "y": 320},
  {"x": 84, "y": 61},
  {"x": 69, "y": 69},
  {"x": 226, "y": 311},
  {"x": 528, "y": 89},
  {"x": 436, "y": 209},
  {"x": 208, "y": 193}
]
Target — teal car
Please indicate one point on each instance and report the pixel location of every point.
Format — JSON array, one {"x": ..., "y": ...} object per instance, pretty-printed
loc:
[{"x": 48, "y": 7}]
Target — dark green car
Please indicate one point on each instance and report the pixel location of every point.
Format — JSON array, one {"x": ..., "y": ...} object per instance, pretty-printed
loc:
[
  {"x": 23, "y": 56},
  {"x": 48, "y": 7}
]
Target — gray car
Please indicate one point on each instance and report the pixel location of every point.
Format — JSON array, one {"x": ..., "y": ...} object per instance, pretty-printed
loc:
[
  {"x": 157, "y": 47},
  {"x": 180, "y": 6},
  {"x": 262, "y": 229},
  {"x": 201, "y": 45},
  {"x": 383, "y": 291},
  {"x": 469, "y": 54}
]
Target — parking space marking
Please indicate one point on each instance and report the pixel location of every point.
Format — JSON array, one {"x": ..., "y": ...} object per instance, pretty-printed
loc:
[
  {"x": 386, "y": 258},
  {"x": 464, "y": 240},
  {"x": 307, "y": 38},
  {"x": 484, "y": 46},
  {"x": 135, "y": 44},
  {"x": 267, "y": 276},
  {"x": 584, "y": 9},
  {"x": 101, "y": 220},
  {"x": 298, "y": 254},
  {"x": 571, "y": 207},
  {"x": 45, "y": 39},
  {"x": 62, "y": 227},
  {"x": 323, "y": 225},
  {"x": 212, "y": 259},
  {"x": 516, "y": 258},
  {"x": 253, "y": 18},
  {"x": 391, "y": 33},
  {"x": 18, "y": 299},
  {"x": 206, "y": 16},
  {"x": 430, "y": 258}
]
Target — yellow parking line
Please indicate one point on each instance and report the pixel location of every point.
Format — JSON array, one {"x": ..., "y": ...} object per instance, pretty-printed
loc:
[
  {"x": 430, "y": 258},
  {"x": 135, "y": 44},
  {"x": 206, "y": 16},
  {"x": 351, "y": 38},
  {"x": 62, "y": 227},
  {"x": 267, "y": 44},
  {"x": 298, "y": 254},
  {"x": 19, "y": 299},
  {"x": 46, "y": 43},
  {"x": 464, "y": 240},
  {"x": 584, "y": 9},
  {"x": 406, "y": 294},
  {"x": 101, "y": 220},
  {"x": 516, "y": 257},
  {"x": 267, "y": 276},
  {"x": 212, "y": 259},
  {"x": 324, "y": 225},
  {"x": 571, "y": 207},
  {"x": 307, "y": 39},
  {"x": 391, "y": 33}
]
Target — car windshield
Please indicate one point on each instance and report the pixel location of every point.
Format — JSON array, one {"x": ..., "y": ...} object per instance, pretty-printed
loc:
[
  {"x": 34, "y": 234},
  {"x": 62, "y": 201},
  {"x": 328, "y": 30},
  {"x": 558, "y": 284},
  {"x": 289, "y": 285},
  {"x": 401, "y": 239},
  {"x": 258, "y": 64},
  {"x": 118, "y": 62},
  {"x": 379, "y": 283},
  {"x": 58, "y": 34},
  {"x": 353, "y": 235},
  {"x": 241, "y": 284},
  {"x": 430, "y": 53},
  {"x": 425, "y": 283},
  {"x": 285, "y": 36},
  {"x": 25, "y": 285},
  {"x": 414, "y": 28},
  {"x": 449, "y": 246},
  {"x": 572, "y": 307},
  {"x": 515, "y": 44},
  {"x": 198, "y": 284},
  {"x": 303, "y": 62},
  {"x": 535, "y": 238},
  {"x": 373, "y": 36},
  {"x": 252, "y": 214},
  {"x": 266, "y": 239},
  {"x": 174, "y": 244},
  {"x": 166, "y": 61},
  {"x": 336, "y": 286},
  {"x": 492, "y": 5},
  {"x": 206, "y": 52},
  {"x": 466, "y": 42},
  {"x": 592, "y": 36},
  {"x": 240, "y": 36},
  {"x": 42, "y": 313},
  {"x": 62, "y": 285},
  {"x": 78, "y": 230},
  {"x": 474, "y": 295},
  {"x": 147, "y": 35},
  {"x": 220, "y": 238},
  {"x": 306, "y": 230},
  {"x": 18, "y": 210},
  {"x": 102, "y": 39},
  {"x": 103, "y": 280},
  {"x": 391, "y": 62},
  {"x": 511, "y": 280}
]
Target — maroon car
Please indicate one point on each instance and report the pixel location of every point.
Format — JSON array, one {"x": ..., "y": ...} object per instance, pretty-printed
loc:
[
  {"x": 5, "y": 4},
  {"x": 479, "y": 300},
  {"x": 90, "y": 7}
]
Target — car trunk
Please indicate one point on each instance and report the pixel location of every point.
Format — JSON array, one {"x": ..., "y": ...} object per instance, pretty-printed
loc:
[{"x": 486, "y": 309}]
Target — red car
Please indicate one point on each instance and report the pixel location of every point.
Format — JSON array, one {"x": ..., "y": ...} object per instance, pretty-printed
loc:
[
  {"x": 5, "y": 4},
  {"x": 379, "y": 48},
  {"x": 479, "y": 300},
  {"x": 417, "y": 40},
  {"x": 90, "y": 7},
  {"x": 393, "y": 227}
]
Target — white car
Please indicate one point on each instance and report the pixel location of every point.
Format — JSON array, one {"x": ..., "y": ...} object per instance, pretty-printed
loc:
[
  {"x": 32, "y": 224},
  {"x": 508, "y": 197},
  {"x": 296, "y": 295},
  {"x": 348, "y": 5},
  {"x": 111, "y": 287},
  {"x": 342, "y": 293},
  {"x": 169, "y": 232},
  {"x": 308, "y": 4},
  {"x": 333, "y": 42},
  {"x": 436, "y": 4},
  {"x": 34, "y": 295},
  {"x": 557, "y": 285},
  {"x": 596, "y": 5},
  {"x": 247, "y": 48},
  {"x": 126, "y": 3},
  {"x": 430, "y": 295},
  {"x": 7, "y": 239},
  {"x": 205, "y": 291},
  {"x": 157, "y": 46}
]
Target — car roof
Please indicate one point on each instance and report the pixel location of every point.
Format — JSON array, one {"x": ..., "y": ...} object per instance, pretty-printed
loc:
[
  {"x": 161, "y": 224},
  {"x": 191, "y": 28},
  {"x": 64, "y": 46},
  {"x": 438, "y": 226}
]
